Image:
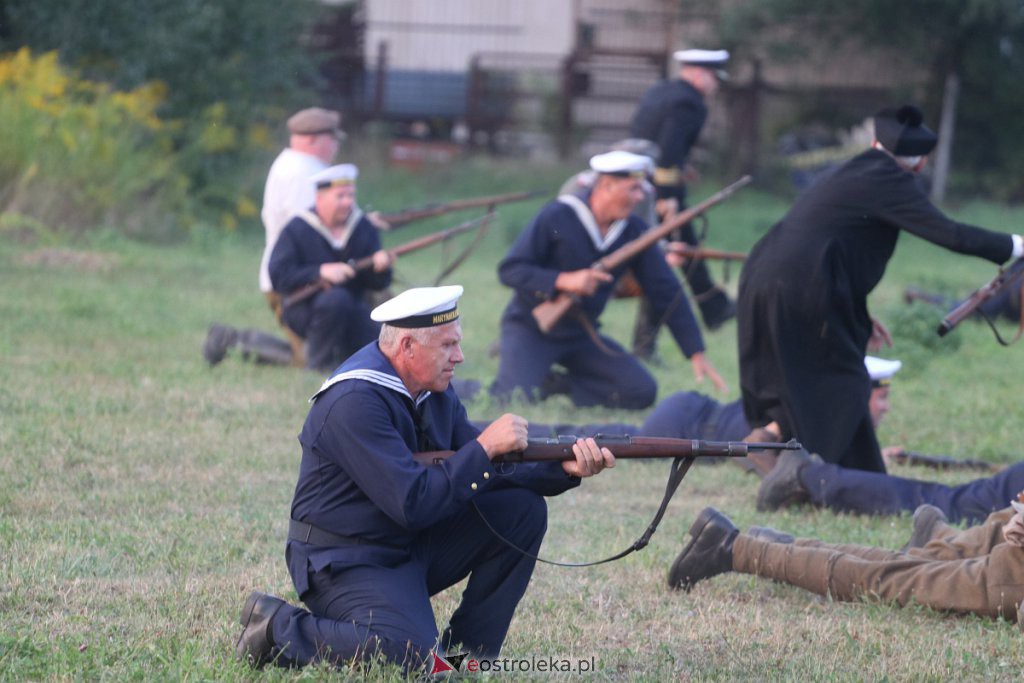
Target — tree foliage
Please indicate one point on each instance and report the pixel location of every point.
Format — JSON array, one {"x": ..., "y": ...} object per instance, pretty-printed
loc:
[
  {"x": 243, "y": 52},
  {"x": 980, "y": 40}
]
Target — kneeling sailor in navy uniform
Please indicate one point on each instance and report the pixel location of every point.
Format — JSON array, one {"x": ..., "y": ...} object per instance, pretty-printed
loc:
[
  {"x": 318, "y": 246},
  {"x": 554, "y": 255},
  {"x": 374, "y": 534}
]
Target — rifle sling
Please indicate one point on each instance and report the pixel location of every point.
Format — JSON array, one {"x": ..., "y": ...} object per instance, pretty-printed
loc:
[
  {"x": 680, "y": 466},
  {"x": 1020, "y": 327}
]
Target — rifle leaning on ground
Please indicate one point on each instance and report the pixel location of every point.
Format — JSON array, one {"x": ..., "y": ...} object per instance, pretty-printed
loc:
[
  {"x": 407, "y": 216},
  {"x": 940, "y": 462},
  {"x": 306, "y": 291},
  {"x": 1007, "y": 277},
  {"x": 548, "y": 313},
  {"x": 683, "y": 452}
]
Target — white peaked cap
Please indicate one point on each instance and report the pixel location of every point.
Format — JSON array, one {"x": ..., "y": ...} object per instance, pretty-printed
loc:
[
  {"x": 420, "y": 307},
  {"x": 342, "y": 174},
  {"x": 622, "y": 163},
  {"x": 880, "y": 369}
]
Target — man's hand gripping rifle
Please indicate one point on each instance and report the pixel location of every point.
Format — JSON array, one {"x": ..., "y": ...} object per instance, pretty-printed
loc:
[{"x": 548, "y": 313}]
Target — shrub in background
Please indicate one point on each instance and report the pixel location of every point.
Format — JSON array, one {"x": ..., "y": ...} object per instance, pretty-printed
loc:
[{"x": 77, "y": 153}]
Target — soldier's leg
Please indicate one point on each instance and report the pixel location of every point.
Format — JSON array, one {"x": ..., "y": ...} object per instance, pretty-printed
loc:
[
  {"x": 263, "y": 348},
  {"x": 615, "y": 380},
  {"x": 949, "y": 543},
  {"x": 326, "y": 334},
  {"x": 526, "y": 358},
  {"x": 463, "y": 545},
  {"x": 358, "y": 613},
  {"x": 645, "y": 329},
  {"x": 715, "y": 305},
  {"x": 959, "y": 586}
]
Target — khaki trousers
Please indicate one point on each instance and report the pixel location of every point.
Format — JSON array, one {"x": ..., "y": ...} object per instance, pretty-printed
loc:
[{"x": 970, "y": 571}]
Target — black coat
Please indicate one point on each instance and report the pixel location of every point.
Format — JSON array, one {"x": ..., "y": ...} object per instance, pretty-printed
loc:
[
  {"x": 671, "y": 114},
  {"x": 803, "y": 320}
]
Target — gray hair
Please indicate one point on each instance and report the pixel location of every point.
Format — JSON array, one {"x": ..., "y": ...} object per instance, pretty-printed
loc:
[{"x": 391, "y": 335}]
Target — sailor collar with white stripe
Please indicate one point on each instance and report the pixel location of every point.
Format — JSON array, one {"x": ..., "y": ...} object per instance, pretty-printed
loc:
[
  {"x": 586, "y": 218},
  {"x": 337, "y": 243},
  {"x": 369, "y": 365}
]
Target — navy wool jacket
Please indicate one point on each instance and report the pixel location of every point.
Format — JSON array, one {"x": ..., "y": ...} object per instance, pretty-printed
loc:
[
  {"x": 564, "y": 237},
  {"x": 357, "y": 476},
  {"x": 305, "y": 244}
]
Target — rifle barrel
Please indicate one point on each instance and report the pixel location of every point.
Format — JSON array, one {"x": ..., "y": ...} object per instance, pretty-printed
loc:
[
  {"x": 407, "y": 216},
  {"x": 560, "y": 449}
]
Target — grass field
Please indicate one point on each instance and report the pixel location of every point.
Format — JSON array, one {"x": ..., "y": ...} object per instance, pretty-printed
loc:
[{"x": 143, "y": 495}]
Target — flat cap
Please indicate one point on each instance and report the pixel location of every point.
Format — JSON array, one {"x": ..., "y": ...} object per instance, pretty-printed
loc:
[
  {"x": 420, "y": 307},
  {"x": 881, "y": 370},
  {"x": 342, "y": 174},
  {"x": 902, "y": 131},
  {"x": 620, "y": 163},
  {"x": 314, "y": 121}
]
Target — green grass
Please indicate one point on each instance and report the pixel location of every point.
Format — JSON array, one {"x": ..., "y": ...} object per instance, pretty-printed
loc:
[{"x": 142, "y": 494}]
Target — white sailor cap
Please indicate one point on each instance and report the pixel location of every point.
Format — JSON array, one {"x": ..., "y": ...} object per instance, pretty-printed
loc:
[
  {"x": 420, "y": 307},
  {"x": 881, "y": 370},
  {"x": 622, "y": 163},
  {"x": 709, "y": 59},
  {"x": 342, "y": 174}
]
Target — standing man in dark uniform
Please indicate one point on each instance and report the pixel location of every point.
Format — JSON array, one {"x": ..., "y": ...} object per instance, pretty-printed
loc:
[
  {"x": 553, "y": 255},
  {"x": 672, "y": 114},
  {"x": 317, "y": 246},
  {"x": 374, "y": 534},
  {"x": 803, "y": 317}
]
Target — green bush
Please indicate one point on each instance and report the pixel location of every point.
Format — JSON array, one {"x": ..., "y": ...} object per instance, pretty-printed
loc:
[{"x": 78, "y": 154}]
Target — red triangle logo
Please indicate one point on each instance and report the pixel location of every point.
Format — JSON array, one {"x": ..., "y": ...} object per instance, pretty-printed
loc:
[{"x": 440, "y": 665}]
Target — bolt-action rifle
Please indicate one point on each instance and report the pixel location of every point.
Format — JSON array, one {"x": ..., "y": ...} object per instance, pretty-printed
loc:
[
  {"x": 548, "y": 313},
  {"x": 306, "y": 291},
  {"x": 682, "y": 451},
  {"x": 1007, "y": 277},
  {"x": 560, "y": 448},
  {"x": 940, "y": 462},
  {"x": 697, "y": 253},
  {"x": 407, "y": 216}
]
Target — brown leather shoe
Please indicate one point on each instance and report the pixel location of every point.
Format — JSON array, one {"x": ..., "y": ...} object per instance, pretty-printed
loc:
[
  {"x": 709, "y": 552},
  {"x": 926, "y": 518},
  {"x": 256, "y": 642},
  {"x": 782, "y": 487}
]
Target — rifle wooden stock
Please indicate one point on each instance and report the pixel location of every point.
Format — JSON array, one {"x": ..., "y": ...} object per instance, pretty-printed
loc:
[
  {"x": 366, "y": 262},
  {"x": 560, "y": 449},
  {"x": 697, "y": 253},
  {"x": 548, "y": 313},
  {"x": 941, "y": 462},
  {"x": 407, "y": 216},
  {"x": 1005, "y": 278}
]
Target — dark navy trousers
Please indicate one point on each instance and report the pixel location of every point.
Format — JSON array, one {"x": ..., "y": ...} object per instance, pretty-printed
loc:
[
  {"x": 859, "y": 491},
  {"x": 335, "y": 325},
  {"x": 596, "y": 378},
  {"x": 361, "y": 611}
]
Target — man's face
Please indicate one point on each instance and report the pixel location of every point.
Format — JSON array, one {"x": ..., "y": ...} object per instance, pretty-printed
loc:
[
  {"x": 325, "y": 147},
  {"x": 432, "y": 364},
  {"x": 334, "y": 204},
  {"x": 878, "y": 404},
  {"x": 623, "y": 195}
]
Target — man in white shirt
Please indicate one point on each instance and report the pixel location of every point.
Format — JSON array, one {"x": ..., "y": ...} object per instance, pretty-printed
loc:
[
  {"x": 315, "y": 135},
  {"x": 314, "y": 138}
]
